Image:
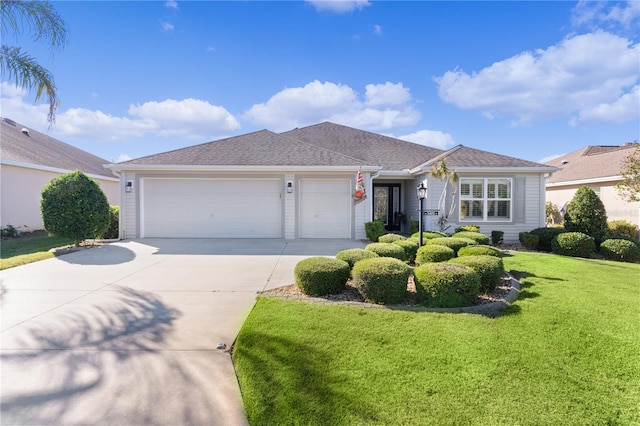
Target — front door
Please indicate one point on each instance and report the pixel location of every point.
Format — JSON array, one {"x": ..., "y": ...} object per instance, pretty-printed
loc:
[{"x": 386, "y": 205}]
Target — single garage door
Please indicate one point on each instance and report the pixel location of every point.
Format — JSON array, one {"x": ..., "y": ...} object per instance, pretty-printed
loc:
[
  {"x": 325, "y": 208},
  {"x": 211, "y": 208}
]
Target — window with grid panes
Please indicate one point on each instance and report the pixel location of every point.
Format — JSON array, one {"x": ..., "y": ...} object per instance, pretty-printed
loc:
[{"x": 485, "y": 199}]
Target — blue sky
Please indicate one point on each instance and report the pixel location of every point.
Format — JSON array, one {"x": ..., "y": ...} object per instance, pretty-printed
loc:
[{"x": 526, "y": 79}]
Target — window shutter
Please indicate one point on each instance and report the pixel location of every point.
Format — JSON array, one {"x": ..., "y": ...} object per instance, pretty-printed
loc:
[{"x": 519, "y": 199}]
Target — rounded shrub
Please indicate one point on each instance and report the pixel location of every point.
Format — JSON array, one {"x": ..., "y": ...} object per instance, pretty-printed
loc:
[
  {"x": 545, "y": 237},
  {"x": 446, "y": 285},
  {"x": 586, "y": 214},
  {"x": 427, "y": 235},
  {"x": 475, "y": 236},
  {"x": 319, "y": 276},
  {"x": 575, "y": 244},
  {"x": 529, "y": 240},
  {"x": 490, "y": 269},
  {"x": 351, "y": 256},
  {"x": 410, "y": 247},
  {"x": 622, "y": 227},
  {"x": 387, "y": 250},
  {"x": 434, "y": 253},
  {"x": 482, "y": 250},
  {"x": 113, "y": 231},
  {"x": 382, "y": 280},
  {"x": 453, "y": 243},
  {"x": 390, "y": 238},
  {"x": 620, "y": 250}
]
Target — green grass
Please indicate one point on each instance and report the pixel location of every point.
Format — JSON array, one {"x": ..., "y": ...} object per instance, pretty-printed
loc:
[
  {"x": 567, "y": 352},
  {"x": 20, "y": 251}
]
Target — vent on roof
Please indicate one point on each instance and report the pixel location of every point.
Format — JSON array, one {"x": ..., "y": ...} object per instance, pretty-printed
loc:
[
  {"x": 25, "y": 131},
  {"x": 9, "y": 121},
  {"x": 563, "y": 162}
]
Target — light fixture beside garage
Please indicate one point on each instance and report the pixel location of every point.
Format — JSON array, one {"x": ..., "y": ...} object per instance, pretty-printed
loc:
[
  {"x": 289, "y": 187},
  {"x": 129, "y": 186}
]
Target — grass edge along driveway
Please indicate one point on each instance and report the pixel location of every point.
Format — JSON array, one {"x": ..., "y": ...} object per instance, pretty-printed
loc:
[
  {"x": 567, "y": 352},
  {"x": 27, "y": 249}
]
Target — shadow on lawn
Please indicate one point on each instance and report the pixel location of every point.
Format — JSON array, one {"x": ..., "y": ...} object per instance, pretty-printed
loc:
[{"x": 292, "y": 381}]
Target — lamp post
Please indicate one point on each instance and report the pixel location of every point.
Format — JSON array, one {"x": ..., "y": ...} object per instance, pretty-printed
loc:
[{"x": 422, "y": 194}]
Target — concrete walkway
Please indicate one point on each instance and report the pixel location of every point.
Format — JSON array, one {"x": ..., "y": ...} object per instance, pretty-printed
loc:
[{"x": 127, "y": 333}]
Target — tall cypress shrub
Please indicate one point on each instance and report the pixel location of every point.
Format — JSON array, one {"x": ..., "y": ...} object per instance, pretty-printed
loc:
[{"x": 586, "y": 214}]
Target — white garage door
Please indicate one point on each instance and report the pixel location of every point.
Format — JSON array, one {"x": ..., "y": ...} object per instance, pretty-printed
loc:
[
  {"x": 211, "y": 208},
  {"x": 325, "y": 208}
]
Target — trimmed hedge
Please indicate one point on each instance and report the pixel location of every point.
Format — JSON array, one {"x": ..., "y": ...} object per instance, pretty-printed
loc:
[
  {"x": 546, "y": 236},
  {"x": 622, "y": 227},
  {"x": 475, "y": 236},
  {"x": 482, "y": 250},
  {"x": 113, "y": 231},
  {"x": 497, "y": 237},
  {"x": 575, "y": 244},
  {"x": 468, "y": 228},
  {"x": 387, "y": 250},
  {"x": 390, "y": 238},
  {"x": 351, "y": 256},
  {"x": 453, "y": 243},
  {"x": 490, "y": 269},
  {"x": 319, "y": 276},
  {"x": 434, "y": 253},
  {"x": 529, "y": 240},
  {"x": 446, "y": 285},
  {"x": 382, "y": 280},
  {"x": 374, "y": 230},
  {"x": 410, "y": 248},
  {"x": 620, "y": 250},
  {"x": 427, "y": 235}
]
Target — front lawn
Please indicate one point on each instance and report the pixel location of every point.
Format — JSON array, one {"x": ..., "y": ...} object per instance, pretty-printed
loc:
[
  {"x": 27, "y": 249},
  {"x": 567, "y": 352}
]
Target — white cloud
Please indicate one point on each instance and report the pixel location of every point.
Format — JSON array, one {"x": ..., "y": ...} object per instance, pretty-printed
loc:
[
  {"x": 377, "y": 29},
  {"x": 386, "y": 106},
  {"x": 626, "y": 108},
  {"x": 123, "y": 157},
  {"x": 189, "y": 119},
  {"x": 171, "y": 4},
  {"x": 573, "y": 76},
  {"x": 338, "y": 6},
  {"x": 550, "y": 157},
  {"x": 592, "y": 14},
  {"x": 432, "y": 138},
  {"x": 167, "y": 26}
]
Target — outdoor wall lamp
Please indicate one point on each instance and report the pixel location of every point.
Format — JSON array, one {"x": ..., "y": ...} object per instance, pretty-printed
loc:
[
  {"x": 129, "y": 186},
  {"x": 289, "y": 187},
  {"x": 422, "y": 194}
]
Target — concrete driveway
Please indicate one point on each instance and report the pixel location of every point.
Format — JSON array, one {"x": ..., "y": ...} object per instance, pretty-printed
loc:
[{"x": 126, "y": 333}]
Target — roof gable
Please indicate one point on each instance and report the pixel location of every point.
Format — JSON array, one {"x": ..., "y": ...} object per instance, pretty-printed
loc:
[
  {"x": 261, "y": 148},
  {"x": 591, "y": 162},
  {"x": 464, "y": 157},
  {"x": 38, "y": 149}
]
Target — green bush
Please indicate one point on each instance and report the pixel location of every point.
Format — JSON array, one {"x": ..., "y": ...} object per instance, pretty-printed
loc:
[
  {"x": 387, "y": 250},
  {"x": 482, "y": 250},
  {"x": 545, "y": 236},
  {"x": 622, "y": 227},
  {"x": 351, "y": 256},
  {"x": 586, "y": 214},
  {"x": 390, "y": 238},
  {"x": 410, "y": 248},
  {"x": 490, "y": 269},
  {"x": 497, "y": 237},
  {"x": 9, "y": 231},
  {"x": 382, "y": 280},
  {"x": 113, "y": 231},
  {"x": 475, "y": 236},
  {"x": 529, "y": 241},
  {"x": 374, "y": 230},
  {"x": 575, "y": 244},
  {"x": 453, "y": 243},
  {"x": 414, "y": 226},
  {"x": 427, "y": 235},
  {"x": 319, "y": 276},
  {"x": 434, "y": 253},
  {"x": 446, "y": 285},
  {"x": 467, "y": 228},
  {"x": 74, "y": 206},
  {"x": 620, "y": 250}
]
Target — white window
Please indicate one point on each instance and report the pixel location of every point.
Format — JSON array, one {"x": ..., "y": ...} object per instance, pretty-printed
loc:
[{"x": 485, "y": 199}]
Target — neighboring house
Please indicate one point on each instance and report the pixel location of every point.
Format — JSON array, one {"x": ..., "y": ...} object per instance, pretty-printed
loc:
[
  {"x": 597, "y": 167},
  {"x": 300, "y": 184},
  {"x": 28, "y": 162}
]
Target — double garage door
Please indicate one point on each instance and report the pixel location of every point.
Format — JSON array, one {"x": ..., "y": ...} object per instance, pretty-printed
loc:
[{"x": 243, "y": 208}]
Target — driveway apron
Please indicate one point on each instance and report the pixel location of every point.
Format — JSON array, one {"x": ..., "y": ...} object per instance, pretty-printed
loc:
[{"x": 128, "y": 333}]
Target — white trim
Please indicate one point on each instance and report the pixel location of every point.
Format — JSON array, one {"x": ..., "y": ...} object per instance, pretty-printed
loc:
[
  {"x": 485, "y": 200},
  {"x": 583, "y": 181},
  {"x": 473, "y": 169},
  {"x": 53, "y": 169},
  {"x": 201, "y": 168}
]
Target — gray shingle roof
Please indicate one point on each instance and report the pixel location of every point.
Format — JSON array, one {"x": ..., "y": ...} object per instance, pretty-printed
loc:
[
  {"x": 385, "y": 151},
  {"x": 41, "y": 150},
  {"x": 590, "y": 162},
  {"x": 463, "y": 156},
  {"x": 262, "y": 148}
]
